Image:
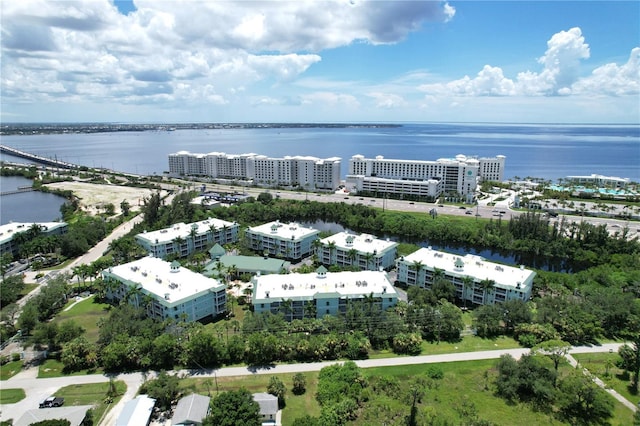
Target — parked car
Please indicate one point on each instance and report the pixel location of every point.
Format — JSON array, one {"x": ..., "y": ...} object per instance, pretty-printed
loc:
[
  {"x": 468, "y": 212},
  {"x": 52, "y": 401}
]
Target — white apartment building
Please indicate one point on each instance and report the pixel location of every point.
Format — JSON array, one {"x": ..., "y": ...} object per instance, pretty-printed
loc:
[
  {"x": 291, "y": 241},
  {"x": 9, "y": 230},
  {"x": 422, "y": 178},
  {"x": 467, "y": 273},
  {"x": 364, "y": 251},
  {"x": 321, "y": 293},
  {"x": 166, "y": 290},
  {"x": 183, "y": 239},
  {"x": 310, "y": 173}
]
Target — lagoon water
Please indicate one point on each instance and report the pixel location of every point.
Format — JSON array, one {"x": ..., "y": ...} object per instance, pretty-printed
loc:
[
  {"x": 545, "y": 151},
  {"x": 27, "y": 206}
]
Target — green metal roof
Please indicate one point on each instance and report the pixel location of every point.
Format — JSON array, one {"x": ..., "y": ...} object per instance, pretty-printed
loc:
[{"x": 250, "y": 264}]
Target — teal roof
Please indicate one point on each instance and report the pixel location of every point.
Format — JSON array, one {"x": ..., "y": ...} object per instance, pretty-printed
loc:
[
  {"x": 250, "y": 264},
  {"x": 321, "y": 270},
  {"x": 217, "y": 251}
]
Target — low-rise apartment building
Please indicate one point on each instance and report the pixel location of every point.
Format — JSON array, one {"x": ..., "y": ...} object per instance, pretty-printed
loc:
[
  {"x": 8, "y": 231},
  {"x": 291, "y": 241},
  {"x": 475, "y": 279},
  {"x": 321, "y": 293},
  {"x": 183, "y": 239},
  {"x": 166, "y": 290},
  {"x": 364, "y": 251}
]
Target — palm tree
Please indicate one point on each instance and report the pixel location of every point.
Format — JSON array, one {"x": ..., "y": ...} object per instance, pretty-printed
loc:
[
  {"x": 212, "y": 232},
  {"x": 437, "y": 274},
  {"x": 193, "y": 233},
  {"x": 310, "y": 310},
  {"x": 286, "y": 307},
  {"x": 368, "y": 257},
  {"x": 487, "y": 287},
  {"x": 417, "y": 266},
  {"x": 352, "y": 254},
  {"x": 177, "y": 245},
  {"x": 331, "y": 245},
  {"x": 467, "y": 281}
]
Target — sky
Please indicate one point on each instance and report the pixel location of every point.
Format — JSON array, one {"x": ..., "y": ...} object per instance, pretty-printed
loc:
[{"x": 320, "y": 61}]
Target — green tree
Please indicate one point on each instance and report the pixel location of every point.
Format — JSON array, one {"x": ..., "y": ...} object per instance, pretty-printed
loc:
[
  {"x": 630, "y": 361},
  {"x": 233, "y": 408},
  {"x": 277, "y": 388},
  {"x": 125, "y": 207},
  {"x": 299, "y": 384},
  {"x": 265, "y": 198},
  {"x": 10, "y": 289},
  {"x": 487, "y": 320},
  {"x": 556, "y": 350},
  {"x": 28, "y": 318},
  {"x": 164, "y": 389},
  {"x": 581, "y": 401}
]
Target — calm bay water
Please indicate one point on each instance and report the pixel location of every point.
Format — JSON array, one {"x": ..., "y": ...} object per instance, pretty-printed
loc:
[{"x": 545, "y": 151}]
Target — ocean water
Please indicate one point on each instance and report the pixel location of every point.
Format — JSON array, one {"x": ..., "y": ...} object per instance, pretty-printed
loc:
[{"x": 544, "y": 151}]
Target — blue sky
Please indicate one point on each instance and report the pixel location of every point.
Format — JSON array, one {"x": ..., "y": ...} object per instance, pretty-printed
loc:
[{"x": 320, "y": 61}]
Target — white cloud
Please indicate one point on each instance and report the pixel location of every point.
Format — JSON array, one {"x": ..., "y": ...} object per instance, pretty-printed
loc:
[
  {"x": 184, "y": 51},
  {"x": 387, "y": 100},
  {"x": 560, "y": 75}
]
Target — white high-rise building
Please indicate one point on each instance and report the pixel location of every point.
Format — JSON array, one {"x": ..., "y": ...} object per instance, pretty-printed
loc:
[
  {"x": 419, "y": 178},
  {"x": 310, "y": 173}
]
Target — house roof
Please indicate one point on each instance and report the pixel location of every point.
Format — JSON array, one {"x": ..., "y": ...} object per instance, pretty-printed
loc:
[
  {"x": 191, "y": 409},
  {"x": 268, "y": 403},
  {"x": 136, "y": 412},
  {"x": 251, "y": 264},
  {"x": 74, "y": 414},
  {"x": 217, "y": 250}
]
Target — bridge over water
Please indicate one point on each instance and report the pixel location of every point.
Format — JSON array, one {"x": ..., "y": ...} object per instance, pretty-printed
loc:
[
  {"x": 37, "y": 158},
  {"x": 20, "y": 189}
]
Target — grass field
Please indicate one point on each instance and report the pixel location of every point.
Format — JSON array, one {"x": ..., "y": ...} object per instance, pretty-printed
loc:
[
  {"x": 92, "y": 394},
  {"x": 466, "y": 344},
  {"x": 11, "y": 396},
  {"x": 54, "y": 368},
  {"x": 10, "y": 369},
  {"x": 86, "y": 313},
  {"x": 616, "y": 379},
  {"x": 463, "y": 381}
]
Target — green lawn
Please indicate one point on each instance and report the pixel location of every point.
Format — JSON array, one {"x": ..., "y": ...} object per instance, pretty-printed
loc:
[
  {"x": 296, "y": 405},
  {"x": 86, "y": 313},
  {"x": 617, "y": 379},
  {"x": 11, "y": 396},
  {"x": 10, "y": 369},
  {"x": 466, "y": 344},
  {"x": 92, "y": 394},
  {"x": 463, "y": 381},
  {"x": 54, "y": 368}
]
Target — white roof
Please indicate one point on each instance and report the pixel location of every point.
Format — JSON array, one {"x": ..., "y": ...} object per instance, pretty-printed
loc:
[
  {"x": 136, "y": 412},
  {"x": 183, "y": 230},
  {"x": 474, "y": 266},
  {"x": 156, "y": 277},
  {"x": 284, "y": 231},
  {"x": 363, "y": 243},
  {"x": 10, "y": 229},
  {"x": 291, "y": 286}
]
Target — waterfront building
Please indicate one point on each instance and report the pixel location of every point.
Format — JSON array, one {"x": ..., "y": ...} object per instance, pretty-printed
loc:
[
  {"x": 600, "y": 181},
  {"x": 363, "y": 251},
  {"x": 291, "y": 241},
  {"x": 320, "y": 293},
  {"x": 166, "y": 290},
  {"x": 475, "y": 279},
  {"x": 310, "y": 173},
  {"x": 7, "y": 233},
  {"x": 183, "y": 239},
  {"x": 422, "y": 179}
]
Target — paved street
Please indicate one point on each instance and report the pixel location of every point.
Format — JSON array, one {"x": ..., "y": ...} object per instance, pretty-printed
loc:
[{"x": 38, "y": 389}]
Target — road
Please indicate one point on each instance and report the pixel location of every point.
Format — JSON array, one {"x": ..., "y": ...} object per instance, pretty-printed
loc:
[{"x": 38, "y": 389}]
